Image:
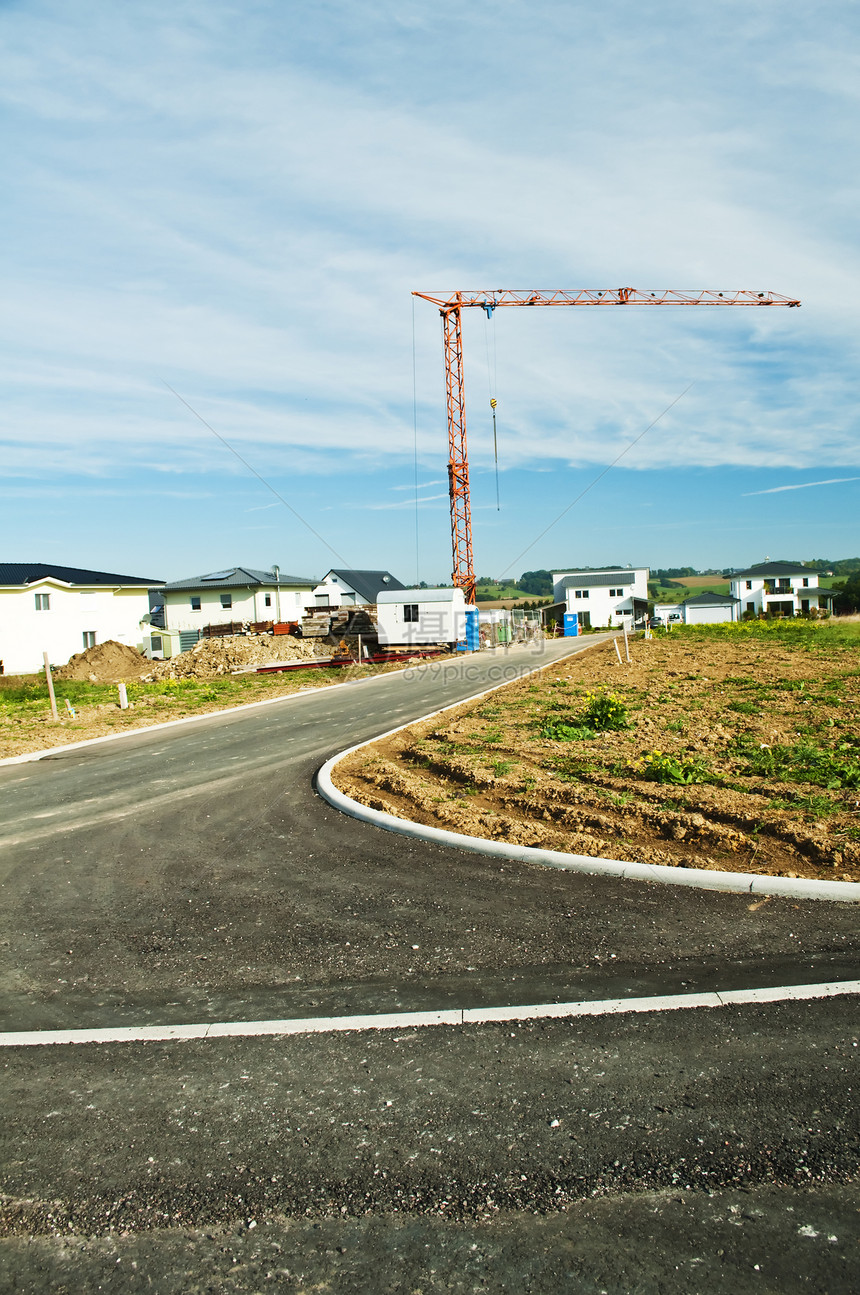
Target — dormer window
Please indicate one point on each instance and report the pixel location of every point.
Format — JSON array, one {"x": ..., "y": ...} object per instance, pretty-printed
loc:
[{"x": 43, "y": 602}]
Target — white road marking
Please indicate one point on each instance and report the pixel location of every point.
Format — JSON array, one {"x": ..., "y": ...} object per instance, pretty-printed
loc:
[{"x": 410, "y": 1020}]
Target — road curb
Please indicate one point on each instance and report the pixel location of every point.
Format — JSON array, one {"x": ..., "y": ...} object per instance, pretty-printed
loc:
[{"x": 845, "y": 892}]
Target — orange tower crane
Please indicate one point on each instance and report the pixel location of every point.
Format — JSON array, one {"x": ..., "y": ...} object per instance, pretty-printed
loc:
[{"x": 451, "y": 308}]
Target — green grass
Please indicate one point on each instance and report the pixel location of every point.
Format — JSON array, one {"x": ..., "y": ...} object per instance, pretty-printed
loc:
[
  {"x": 813, "y": 636},
  {"x": 491, "y": 593},
  {"x": 832, "y": 768}
]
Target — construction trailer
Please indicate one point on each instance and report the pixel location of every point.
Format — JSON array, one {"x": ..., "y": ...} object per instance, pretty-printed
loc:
[{"x": 425, "y": 616}]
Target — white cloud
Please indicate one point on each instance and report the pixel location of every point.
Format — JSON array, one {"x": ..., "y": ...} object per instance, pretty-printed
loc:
[{"x": 804, "y": 485}]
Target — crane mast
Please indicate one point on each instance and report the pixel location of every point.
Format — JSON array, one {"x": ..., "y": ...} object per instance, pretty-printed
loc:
[{"x": 451, "y": 307}]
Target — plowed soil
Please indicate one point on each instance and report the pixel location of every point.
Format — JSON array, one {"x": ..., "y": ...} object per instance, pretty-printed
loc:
[{"x": 756, "y": 736}]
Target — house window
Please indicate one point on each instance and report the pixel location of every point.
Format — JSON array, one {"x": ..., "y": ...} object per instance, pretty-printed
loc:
[
  {"x": 43, "y": 602},
  {"x": 582, "y": 593},
  {"x": 806, "y": 582},
  {"x": 410, "y": 611},
  {"x": 89, "y": 638},
  {"x": 156, "y": 642},
  {"x": 268, "y": 600},
  {"x": 749, "y": 584},
  {"x": 195, "y": 602},
  {"x": 226, "y": 600},
  {"x": 750, "y": 607},
  {"x": 616, "y": 593}
]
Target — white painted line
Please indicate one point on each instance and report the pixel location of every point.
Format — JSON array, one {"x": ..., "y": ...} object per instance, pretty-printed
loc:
[
  {"x": 600, "y": 1007},
  {"x": 788, "y": 992},
  {"x": 413, "y": 1020}
]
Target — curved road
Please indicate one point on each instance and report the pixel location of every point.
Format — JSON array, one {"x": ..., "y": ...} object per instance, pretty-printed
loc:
[{"x": 191, "y": 874}]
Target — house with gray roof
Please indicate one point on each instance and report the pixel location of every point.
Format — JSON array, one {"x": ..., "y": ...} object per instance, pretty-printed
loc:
[
  {"x": 342, "y": 587},
  {"x": 708, "y": 608},
  {"x": 610, "y": 596},
  {"x": 234, "y": 594},
  {"x": 780, "y": 589},
  {"x": 61, "y": 610}
]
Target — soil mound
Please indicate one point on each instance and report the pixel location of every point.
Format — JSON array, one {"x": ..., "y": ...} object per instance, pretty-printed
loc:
[
  {"x": 219, "y": 656},
  {"x": 105, "y": 663}
]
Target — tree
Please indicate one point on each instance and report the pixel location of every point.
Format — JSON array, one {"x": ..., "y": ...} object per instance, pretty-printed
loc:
[
  {"x": 847, "y": 595},
  {"x": 536, "y": 582}
]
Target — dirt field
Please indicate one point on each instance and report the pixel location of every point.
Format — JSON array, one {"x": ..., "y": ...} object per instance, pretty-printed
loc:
[{"x": 732, "y": 748}]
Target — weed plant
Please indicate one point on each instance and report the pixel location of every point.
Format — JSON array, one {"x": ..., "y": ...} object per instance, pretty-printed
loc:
[
  {"x": 603, "y": 712},
  {"x": 680, "y": 770}
]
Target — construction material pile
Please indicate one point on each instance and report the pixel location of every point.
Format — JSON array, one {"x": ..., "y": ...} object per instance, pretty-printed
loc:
[
  {"x": 105, "y": 663},
  {"x": 219, "y": 656}
]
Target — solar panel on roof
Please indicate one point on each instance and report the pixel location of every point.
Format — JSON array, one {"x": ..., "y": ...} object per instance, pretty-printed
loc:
[{"x": 218, "y": 575}]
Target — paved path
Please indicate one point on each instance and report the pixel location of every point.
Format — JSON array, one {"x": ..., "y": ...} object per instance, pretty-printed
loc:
[{"x": 193, "y": 875}]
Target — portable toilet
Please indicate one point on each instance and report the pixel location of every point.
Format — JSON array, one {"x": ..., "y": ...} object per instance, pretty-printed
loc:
[
  {"x": 472, "y": 638},
  {"x": 571, "y": 624}
]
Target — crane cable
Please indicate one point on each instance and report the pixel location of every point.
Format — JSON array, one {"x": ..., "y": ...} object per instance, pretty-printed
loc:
[
  {"x": 495, "y": 450},
  {"x": 491, "y": 386}
]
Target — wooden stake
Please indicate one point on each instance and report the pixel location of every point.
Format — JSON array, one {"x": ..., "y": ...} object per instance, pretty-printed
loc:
[
  {"x": 626, "y": 645},
  {"x": 50, "y": 686},
  {"x": 123, "y": 696},
  {"x": 617, "y": 651}
]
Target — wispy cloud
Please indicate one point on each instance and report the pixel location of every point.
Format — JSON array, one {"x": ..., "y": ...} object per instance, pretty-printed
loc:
[
  {"x": 405, "y": 503},
  {"x": 804, "y": 485},
  {"x": 424, "y": 485}
]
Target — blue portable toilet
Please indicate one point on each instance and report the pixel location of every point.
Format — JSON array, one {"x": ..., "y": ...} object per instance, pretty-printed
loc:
[
  {"x": 571, "y": 625},
  {"x": 473, "y": 633}
]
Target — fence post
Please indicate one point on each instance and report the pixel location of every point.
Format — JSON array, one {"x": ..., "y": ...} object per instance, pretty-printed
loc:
[{"x": 50, "y": 686}]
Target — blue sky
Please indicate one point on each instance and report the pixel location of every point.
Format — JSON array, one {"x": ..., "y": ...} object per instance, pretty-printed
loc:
[{"x": 237, "y": 200}]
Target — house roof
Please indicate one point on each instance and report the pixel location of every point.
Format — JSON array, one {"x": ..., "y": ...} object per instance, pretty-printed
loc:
[
  {"x": 239, "y": 578},
  {"x": 26, "y": 573},
  {"x": 708, "y": 599},
  {"x": 367, "y": 584},
  {"x": 764, "y": 569},
  {"x": 598, "y": 579}
]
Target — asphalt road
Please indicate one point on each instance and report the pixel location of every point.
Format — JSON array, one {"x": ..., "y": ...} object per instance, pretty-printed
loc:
[{"x": 192, "y": 874}]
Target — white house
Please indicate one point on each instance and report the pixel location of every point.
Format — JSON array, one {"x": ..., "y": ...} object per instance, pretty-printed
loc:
[
  {"x": 780, "y": 588},
  {"x": 63, "y": 610},
  {"x": 344, "y": 588},
  {"x": 234, "y": 594},
  {"x": 421, "y": 616},
  {"x": 609, "y": 596}
]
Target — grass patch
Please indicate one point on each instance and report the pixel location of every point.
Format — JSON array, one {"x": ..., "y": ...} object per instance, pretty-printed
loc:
[{"x": 801, "y": 762}]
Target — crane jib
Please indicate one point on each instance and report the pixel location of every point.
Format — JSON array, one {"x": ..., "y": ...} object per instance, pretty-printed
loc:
[{"x": 451, "y": 304}]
